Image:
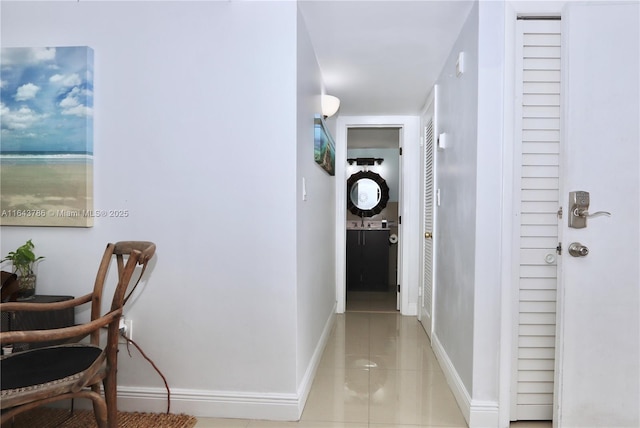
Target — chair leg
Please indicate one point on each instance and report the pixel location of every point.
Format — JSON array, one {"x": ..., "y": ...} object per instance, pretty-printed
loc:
[
  {"x": 110, "y": 381},
  {"x": 96, "y": 410},
  {"x": 99, "y": 410},
  {"x": 111, "y": 398}
]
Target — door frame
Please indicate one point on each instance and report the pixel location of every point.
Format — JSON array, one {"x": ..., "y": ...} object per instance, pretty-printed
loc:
[
  {"x": 408, "y": 268},
  {"x": 517, "y": 167},
  {"x": 513, "y": 10},
  {"x": 430, "y": 112}
]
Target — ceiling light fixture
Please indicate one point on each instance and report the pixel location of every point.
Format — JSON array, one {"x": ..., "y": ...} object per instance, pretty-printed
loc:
[{"x": 330, "y": 105}]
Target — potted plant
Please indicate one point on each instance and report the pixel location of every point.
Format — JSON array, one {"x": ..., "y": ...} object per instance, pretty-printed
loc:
[{"x": 24, "y": 265}]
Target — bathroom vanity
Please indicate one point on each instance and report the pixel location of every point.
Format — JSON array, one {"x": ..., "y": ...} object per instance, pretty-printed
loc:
[{"x": 367, "y": 259}]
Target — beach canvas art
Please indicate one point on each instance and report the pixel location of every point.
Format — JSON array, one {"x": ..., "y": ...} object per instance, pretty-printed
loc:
[
  {"x": 324, "y": 149},
  {"x": 46, "y": 139}
]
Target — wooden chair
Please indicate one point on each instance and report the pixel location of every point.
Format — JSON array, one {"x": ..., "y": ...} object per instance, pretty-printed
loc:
[
  {"x": 40, "y": 376},
  {"x": 10, "y": 286}
]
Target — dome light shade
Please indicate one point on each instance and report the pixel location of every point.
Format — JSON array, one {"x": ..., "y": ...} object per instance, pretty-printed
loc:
[{"x": 330, "y": 105}]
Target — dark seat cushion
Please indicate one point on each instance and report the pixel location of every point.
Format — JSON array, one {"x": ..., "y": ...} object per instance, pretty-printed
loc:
[{"x": 45, "y": 365}]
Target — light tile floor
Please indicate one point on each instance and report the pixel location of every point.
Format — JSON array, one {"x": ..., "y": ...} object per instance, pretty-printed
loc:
[
  {"x": 377, "y": 371},
  {"x": 371, "y": 301}
]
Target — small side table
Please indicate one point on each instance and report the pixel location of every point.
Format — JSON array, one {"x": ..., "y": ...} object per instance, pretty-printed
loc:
[{"x": 21, "y": 320}]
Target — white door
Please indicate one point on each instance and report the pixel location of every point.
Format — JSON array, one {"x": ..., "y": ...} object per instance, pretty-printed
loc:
[
  {"x": 425, "y": 294},
  {"x": 598, "y": 376},
  {"x": 401, "y": 236},
  {"x": 536, "y": 167}
]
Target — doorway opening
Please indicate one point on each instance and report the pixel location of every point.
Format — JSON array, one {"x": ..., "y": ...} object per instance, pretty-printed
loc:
[
  {"x": 372, "y": 219},
  {"x": 537, "y": 175}
]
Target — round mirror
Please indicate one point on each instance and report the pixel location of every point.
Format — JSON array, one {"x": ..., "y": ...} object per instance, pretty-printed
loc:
[
  {"x": 365, "y": 194},
  {"x": 368, "y": 193}
]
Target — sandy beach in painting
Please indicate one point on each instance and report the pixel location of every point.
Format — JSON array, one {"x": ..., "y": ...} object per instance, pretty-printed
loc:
[{"x": 46, "y": 194}]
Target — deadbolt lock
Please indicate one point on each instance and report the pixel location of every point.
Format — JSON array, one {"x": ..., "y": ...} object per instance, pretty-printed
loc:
[{"x": 579, "y": 210}]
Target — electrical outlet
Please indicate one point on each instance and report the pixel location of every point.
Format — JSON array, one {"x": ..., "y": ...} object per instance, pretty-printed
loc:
[{"x": 126, "y": 329}]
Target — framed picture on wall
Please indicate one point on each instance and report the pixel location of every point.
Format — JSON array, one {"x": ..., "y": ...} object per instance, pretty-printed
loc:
[
  {"x": 324, "y": 149},
  {"x": 46, "y": 150}
]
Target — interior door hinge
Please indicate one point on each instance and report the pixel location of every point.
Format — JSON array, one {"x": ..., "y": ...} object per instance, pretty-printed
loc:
[
  {"x": 400, "y": 151},
  {"x": 559, "y": 248},
  {"x": 399, "y": 219},
  {"x": 560, "y": 213},
  {"x": 398, "y": 288}
]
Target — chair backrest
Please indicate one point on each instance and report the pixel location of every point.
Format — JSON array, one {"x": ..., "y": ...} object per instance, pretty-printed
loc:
[
  {"x": 128, "y": 255},
  {"x": 10, "y": 286}
]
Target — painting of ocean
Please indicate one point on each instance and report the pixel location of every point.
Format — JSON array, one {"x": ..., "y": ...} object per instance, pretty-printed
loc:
[{"x": 46, "y": 139}]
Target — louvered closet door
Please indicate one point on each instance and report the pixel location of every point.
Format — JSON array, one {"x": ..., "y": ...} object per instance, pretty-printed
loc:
[
  {"x": 426, "y": 303},
  {"x": 538, "y": 86}
]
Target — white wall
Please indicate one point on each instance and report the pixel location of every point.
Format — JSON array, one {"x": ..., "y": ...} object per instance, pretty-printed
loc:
[
  {"x": 456, "y": 176},
  {"x": 195, "y": 134},
  {"x": 316, "y": 298},
  {"x": 469, "y": 176},
  {"x": 487, "y": 293}
]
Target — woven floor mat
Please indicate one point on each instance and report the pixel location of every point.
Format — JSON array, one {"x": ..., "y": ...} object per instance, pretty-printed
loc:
[{"x": 49, "y": 418}]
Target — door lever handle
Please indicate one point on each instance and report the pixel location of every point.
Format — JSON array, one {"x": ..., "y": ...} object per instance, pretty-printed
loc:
[{"x": 585, "y": 213}]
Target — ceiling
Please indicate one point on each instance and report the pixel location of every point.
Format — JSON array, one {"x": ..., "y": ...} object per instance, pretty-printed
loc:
[{"x": 382, "y": 57}]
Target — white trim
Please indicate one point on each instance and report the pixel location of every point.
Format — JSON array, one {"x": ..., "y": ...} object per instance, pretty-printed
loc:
[
  {"x": 225, "y": 404},
  {"x": 307, "y": 381},
  {"x": 429, "y": 112},
  {"x": 410, "y": 229},
  {"x": 508, "y": 161},
  {"x": 477, "y": 413},
  {"x": 434, "y": 285},
  {"x": 410, "y": 309},
  {"x": 454, "y": 380},
  {"x": 204, "y": 403},
  {"x": 484, "y": 414},
  {"x": 513, "y": 10},
  {"x": 558, "y": 379}
]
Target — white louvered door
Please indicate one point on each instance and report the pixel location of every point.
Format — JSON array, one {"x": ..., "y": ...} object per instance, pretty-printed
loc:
[
  {"x": 426, "y": 291},
  {"x": 537, "y": 160}
]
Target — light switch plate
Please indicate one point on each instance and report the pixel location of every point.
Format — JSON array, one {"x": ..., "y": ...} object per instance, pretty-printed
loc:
[
  {"x": 460, "y": 65},
  {"x": 304, "y": 189},
  {"x": 442, "y": 141}
]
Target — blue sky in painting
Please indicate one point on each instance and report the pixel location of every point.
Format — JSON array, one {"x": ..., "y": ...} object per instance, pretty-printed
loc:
[{"x": 46, "y": 99}]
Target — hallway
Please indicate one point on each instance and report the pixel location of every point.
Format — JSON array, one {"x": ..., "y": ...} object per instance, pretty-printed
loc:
[{"x": 377, "y": 371}]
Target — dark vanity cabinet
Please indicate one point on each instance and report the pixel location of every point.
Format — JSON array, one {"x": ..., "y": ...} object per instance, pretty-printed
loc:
[{"x": 367, "y": 260}]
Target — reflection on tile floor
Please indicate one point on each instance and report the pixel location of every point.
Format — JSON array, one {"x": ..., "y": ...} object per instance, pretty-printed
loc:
[
  {"x": 371, "y": 301},
  {"x": 377, "y": 371}
]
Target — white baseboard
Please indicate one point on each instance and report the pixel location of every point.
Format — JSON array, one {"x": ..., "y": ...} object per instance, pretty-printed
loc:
[
  {"x": 221, "y": 404},
  {"x": 453, "y": 379},
  {"x": 411, "y": 310},
  {"x": 484, "y": 414},
  {"x": 305, "y": 384},
  {"x": 478, "y": 414},
  {"x": 229, "y": 404}
]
